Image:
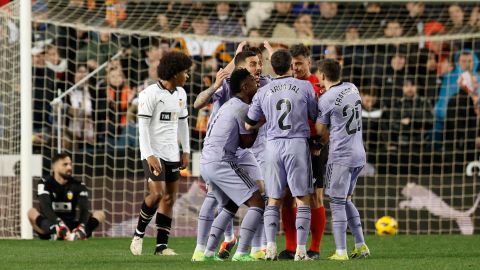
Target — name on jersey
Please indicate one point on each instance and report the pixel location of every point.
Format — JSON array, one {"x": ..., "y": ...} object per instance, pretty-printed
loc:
[
  {"x": 282, "y": 87},
  {"x": 168, "y": 116},
  {"x": 344, "y": 93}
]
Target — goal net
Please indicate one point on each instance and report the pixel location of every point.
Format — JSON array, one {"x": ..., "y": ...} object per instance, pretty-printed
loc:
[{"x": 416, "y": 66}]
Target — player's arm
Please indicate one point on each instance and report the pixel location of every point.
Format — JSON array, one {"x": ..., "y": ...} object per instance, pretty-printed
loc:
[
  {"x": 312, "y": 102},
  {"x": 46, "y": 203},
  {"x": 247, "y": 137},
  {"x": 323, "y": 120},
  {"x": 83, "y": 205},
  {"x": 145, "y": 112},
  {"x": 255, "y": 117},
  {"x": 205, "y": 96},
  {"x": 184, "y": 136},
  {"x": 323, "y": 133}
]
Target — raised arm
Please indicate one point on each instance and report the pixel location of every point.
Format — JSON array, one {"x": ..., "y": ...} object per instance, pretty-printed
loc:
[{"x": 204, "y": 97}]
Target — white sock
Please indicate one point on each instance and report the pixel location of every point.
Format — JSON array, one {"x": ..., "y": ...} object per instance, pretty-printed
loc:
[
  {"x": 359, "y": 245},
  {"x": 301, "y": 249},
  {"x": 341, "y": 252},
  {"x": 200, "y": 248},
  {"x": 229, "y": 238},
  {"x": 255, "y": 250},
  {"x": 209, "y": 253}
]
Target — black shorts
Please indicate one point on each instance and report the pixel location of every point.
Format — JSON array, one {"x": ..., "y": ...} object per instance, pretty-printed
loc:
[
  {"x": 170, "y": 171},
  {"x": 319, "y": 164}
]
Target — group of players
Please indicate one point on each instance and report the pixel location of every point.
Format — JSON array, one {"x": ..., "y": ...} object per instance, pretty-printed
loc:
[
  {"x": 266, "y": 146},
  {"x": 260, "y": 148}
]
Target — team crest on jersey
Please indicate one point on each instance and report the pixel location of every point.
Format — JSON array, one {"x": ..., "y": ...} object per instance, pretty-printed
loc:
[{"x": 69, "y": 195}]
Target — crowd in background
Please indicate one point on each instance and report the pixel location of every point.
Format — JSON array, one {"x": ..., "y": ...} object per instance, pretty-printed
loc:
[{"x": 420, "y": 99}]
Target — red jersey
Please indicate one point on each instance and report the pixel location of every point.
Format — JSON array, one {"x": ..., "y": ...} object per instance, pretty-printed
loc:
[{"x": 318, "y": 92}]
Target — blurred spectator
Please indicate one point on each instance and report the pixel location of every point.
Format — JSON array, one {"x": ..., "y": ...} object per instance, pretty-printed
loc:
[
  {"x": 80, "y": 112},
  {"x": 281, "y": 19},
  {"x": 199, "y": 47},
  {"x": 475, "y": 18},
  {"x": 153, "y": 53},
  {"x": 371, "y": 123},
  {"x": 116, "y": 11},
  {"x": 461, "y": 128},
  {"x": 415, "y": 19},
  {"x": 152, "y": 75},
  {"x": 329, "y": 24},
  {"x": 97, "y": 52},
  {"x": 257, "y": 13},
  {"x": 392, "y": 79},
  {"x": 119, "y": 97},
  {"x": 373, "y": 20},
  {"x": 224, "y": 22},
  {"x": 43, "y": 93},
  {"x": 465, "y": 61},
  {"x": 303, "y": 28},
  {"x": 409, "y": 120},
  {"x": 393, "y": 29},
  {"x": 254, "y": 33},
  {"x": 425, "y": 67},
  {"x": 458, "y": 22},
  {"x": 57, "y": 65}
]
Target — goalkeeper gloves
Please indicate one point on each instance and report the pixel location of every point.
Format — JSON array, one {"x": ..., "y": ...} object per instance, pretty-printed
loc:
[
  {"x": 61, "y": 231},
  {"x": 80, "y": 233}
]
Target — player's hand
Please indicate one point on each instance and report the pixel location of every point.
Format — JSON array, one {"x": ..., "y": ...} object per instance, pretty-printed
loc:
[
  {"x": 184, "y": 160},
  {"x": 80, "y": 233},
  {"x": 240, "y": 47},
  {"x": 221, "y": 75},
  {"x": 269, "y": 48},
  {"x": 154, "y": 165}
]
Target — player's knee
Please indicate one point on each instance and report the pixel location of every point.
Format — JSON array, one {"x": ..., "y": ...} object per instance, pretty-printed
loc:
[
  {"x": 261, "y": 186},
  {"x": 33, "y": 215},
  {"x": 155, "y": 197},
  {"x": 168, "y": 200},
  {"x": 256, "y": 200},
  {"x": 303, "y": 200},
  {"x": 99, "y": 215}
]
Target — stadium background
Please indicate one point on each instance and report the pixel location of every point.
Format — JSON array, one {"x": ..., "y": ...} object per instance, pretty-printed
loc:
[{"x": 381, "y": 46}]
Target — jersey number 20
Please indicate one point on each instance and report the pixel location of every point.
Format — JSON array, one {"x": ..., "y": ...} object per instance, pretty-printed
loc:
[
  {"x": 354, "y": 111},
  {"x": 288, "y": 106}
]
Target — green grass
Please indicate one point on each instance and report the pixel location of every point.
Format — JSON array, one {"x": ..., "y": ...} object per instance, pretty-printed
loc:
[{"x": 398, "y": 252}]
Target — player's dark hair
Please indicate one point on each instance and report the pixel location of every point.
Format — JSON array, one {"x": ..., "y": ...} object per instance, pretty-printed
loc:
[
  {"x": 299, "y": 50},
  {"x": 237, "y": 78},
  {"x": 59, "y": 156},
  {"x": 281, "y": 61},
  {"x": 256, "y": 50},
  {"x": 173, "y": 63},
  {"x": 242, "y": 56},
  {"x": 331, "y": 68}
]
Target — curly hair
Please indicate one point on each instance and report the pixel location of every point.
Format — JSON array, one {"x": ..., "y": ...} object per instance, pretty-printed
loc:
[{"x": 171, "y": 64}]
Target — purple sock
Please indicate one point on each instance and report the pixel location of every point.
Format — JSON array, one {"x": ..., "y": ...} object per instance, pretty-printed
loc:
[
  {"x": 302, "y": 223},
  {"x": 248, "y": 228},
  {"x": 339, "y": 222},
  {"x": 354, "y": 222},
  {"x": 271, "y": 221},
  {"x": 218, "y": 227},
  {"x": 205, "y": 218}
]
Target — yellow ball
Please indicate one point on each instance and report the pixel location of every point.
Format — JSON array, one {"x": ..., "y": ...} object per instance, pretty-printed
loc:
[{"x": 386, "y": 225}]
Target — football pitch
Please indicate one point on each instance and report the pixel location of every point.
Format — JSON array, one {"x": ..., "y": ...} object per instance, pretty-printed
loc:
[{"x": 395, "y": 252}]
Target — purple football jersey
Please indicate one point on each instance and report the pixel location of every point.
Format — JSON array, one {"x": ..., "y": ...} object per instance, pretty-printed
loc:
[
  {"x": 340, "y": 108},
  {"x": 223, "y": 135},
  {"x": 286, "y": 103}
]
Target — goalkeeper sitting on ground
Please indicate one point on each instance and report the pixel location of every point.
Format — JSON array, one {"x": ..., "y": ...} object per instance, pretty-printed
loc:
[{"x": 59, "y": 195}]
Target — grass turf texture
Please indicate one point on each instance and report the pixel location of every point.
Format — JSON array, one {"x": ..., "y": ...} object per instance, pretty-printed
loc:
[{"x": 394, "y": 252}]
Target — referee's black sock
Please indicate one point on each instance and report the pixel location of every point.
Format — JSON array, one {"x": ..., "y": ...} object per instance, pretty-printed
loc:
[
  {"x": 146, "y": 214},
  {"x": 164, "y": 223}
]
